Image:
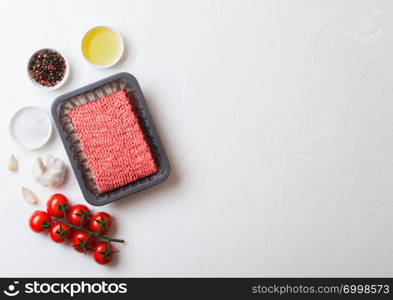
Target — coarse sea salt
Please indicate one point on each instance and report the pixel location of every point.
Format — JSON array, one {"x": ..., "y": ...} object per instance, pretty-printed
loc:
[{"x": 31, "y": 128}]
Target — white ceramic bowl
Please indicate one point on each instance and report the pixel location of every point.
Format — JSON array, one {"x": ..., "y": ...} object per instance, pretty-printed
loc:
[
  {"x": 121, "y": 50},
  {"x": 31, "y": 128},
  {"x": 60, "y": 83}
]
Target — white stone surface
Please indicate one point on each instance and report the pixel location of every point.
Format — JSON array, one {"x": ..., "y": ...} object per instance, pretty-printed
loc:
[{"x": 277, "y": 117}]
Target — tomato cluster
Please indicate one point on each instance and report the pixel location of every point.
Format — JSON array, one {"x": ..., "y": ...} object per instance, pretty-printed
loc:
[{"x": 77, "y": 224}]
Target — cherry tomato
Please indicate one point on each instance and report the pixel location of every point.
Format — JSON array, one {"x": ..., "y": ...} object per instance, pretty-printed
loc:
[
  {"x": 103, "y": 253},
  {"x": 55, "y": 204},
  {"x": 100, "y": 222},
  {"x": 78, "y": 215},
  {"x": 59, "y": 232},
  {"x": 39, "y": 221},
  {"x": 82, "y": 241}
]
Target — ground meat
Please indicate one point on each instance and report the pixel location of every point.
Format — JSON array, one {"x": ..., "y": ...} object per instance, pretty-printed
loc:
[{"x": 112, "y": 141}]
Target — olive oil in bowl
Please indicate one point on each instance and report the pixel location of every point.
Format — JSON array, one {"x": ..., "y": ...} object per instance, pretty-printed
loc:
[{"x": 102, "y": 46}]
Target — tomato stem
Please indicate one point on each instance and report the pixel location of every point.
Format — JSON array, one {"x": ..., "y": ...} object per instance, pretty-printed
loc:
[{"x": 96, "y": 234}]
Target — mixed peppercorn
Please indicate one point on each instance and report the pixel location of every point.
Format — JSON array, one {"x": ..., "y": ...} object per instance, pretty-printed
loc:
[{"x": 47, "y": 67}]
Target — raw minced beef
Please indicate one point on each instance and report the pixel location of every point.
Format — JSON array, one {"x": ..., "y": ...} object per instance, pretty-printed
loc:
[{"x": 112, "y": 140}]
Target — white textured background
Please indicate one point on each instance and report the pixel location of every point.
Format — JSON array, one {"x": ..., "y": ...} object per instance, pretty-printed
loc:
[{"x": 277, "y": 117}]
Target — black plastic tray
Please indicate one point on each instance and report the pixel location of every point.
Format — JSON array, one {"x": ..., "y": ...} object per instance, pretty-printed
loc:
[{"x": 71, "y": 142}]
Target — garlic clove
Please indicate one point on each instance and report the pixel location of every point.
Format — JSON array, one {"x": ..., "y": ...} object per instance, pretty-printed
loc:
[
  {"x": 41, "y": 164},
  {"x": 29, "y": 196},
  {"x": 12, "y": 163}
]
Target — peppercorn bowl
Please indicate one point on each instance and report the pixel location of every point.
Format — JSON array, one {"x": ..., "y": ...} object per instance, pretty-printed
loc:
[{"x": 48, "y": 69}]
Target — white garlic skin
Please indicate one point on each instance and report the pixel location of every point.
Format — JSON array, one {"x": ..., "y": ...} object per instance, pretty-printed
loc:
[
  {"x": 49, "y": 171},
  {"x": 29, "y": 196}
]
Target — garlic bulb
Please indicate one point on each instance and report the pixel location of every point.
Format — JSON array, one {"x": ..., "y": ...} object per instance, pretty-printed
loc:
[
  {"x": 29, "y": 196},
  {"x": 49, "y": 171},
  {"x": 12, "y": 163}
]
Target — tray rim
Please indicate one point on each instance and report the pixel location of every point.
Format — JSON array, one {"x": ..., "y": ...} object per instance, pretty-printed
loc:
[{"x": 164, "y": 162}]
